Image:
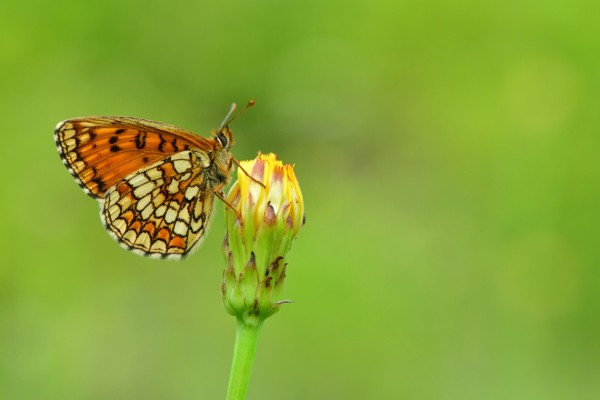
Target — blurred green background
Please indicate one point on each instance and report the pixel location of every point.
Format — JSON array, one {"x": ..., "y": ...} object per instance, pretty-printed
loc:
[{"x": 449, "y": 158}]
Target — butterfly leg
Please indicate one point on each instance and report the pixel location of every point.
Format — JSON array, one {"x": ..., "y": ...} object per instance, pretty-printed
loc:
[
  {"x": 219, "y": 194},
  {"x": 246, "y": 172}
]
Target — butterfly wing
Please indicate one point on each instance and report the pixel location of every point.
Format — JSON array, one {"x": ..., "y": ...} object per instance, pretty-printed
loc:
[
  {"x": 100, "y": 151},
  {"x": 162, "y": 210}
]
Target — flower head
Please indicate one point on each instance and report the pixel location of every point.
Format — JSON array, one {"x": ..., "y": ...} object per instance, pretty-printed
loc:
[{"x": 261, "y": 223}]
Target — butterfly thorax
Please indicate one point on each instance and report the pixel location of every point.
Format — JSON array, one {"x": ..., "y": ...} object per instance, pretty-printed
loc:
[{"x": 221, "y": 157}]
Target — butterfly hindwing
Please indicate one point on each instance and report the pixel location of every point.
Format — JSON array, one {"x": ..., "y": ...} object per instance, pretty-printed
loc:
[{"x": 162, "y": 209}]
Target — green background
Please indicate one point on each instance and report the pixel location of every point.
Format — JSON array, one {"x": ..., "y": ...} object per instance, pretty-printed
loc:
[{"x": 448, "y": 154}]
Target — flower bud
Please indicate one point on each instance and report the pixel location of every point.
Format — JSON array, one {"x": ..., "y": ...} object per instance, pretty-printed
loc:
[{"x": 262, "y": 220}]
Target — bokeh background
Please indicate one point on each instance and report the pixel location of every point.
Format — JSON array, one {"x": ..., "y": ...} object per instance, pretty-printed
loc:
[{"x": 449, "y": 158}]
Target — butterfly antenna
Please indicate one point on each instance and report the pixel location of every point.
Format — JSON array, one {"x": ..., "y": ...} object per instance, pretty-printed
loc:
[
  {"x": 231, "y": 110},
  {"x": 228, "y": 120}
]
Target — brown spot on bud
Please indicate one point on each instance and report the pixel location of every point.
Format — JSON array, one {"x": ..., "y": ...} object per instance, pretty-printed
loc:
[
  {"x": 270, "y": 216},
  {"x": 274, "y": 266},
  {"x": 278, "y": 174},
  {"x": 267, "y": 281},
  {"x": 258, "y": 170},
  {"x": 226, "y": 242},
  {"x": 252, "y": 262}
]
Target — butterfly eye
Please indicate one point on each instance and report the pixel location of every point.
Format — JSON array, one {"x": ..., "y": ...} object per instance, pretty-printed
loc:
[{"x": 222, "y": 139}]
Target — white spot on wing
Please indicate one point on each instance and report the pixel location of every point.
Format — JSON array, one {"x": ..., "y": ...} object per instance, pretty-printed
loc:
[
  {"x": 143, "y": 202},
  {"x": 70, "y": 144},
  {"x": 170, "y": 216},
  {"x": 114, "y": 212},
  {"x": 138, "y": 180},
  {"x": 160, "y": 211},
  {"x": 147, "y": 212},
  {"x": 154, "y": 174},
  {"x": 129, "y": 236},
  {"x": 182, "y": 155},
  {"x": 120, "y": 225},
  {"x": 144, "y": 240},
  {"x": 191, "y": 192},
  {"x": 184, "y": 214},
  {"x": 173, "y": 186},
  {"x": 181, "y": 165},
  {"x": 113, "y": 197},
  {"x": 143, "y": 190},
  {"x": 159, "y": 246},
  {"x": 180, "y": 228},
  {"x": 196, "y": 225}
]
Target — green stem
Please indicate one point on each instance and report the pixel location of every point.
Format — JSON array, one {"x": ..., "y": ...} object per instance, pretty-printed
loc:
[{"x": 246, "y": 339}]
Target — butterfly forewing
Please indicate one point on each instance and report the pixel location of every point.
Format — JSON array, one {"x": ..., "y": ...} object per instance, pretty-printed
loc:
[{"x": 99, "y": 151}]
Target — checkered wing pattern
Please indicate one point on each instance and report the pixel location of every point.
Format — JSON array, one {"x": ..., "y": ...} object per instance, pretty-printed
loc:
[
  {"x": 155, "y": 182},
  {"x": 162, "y": 210}
]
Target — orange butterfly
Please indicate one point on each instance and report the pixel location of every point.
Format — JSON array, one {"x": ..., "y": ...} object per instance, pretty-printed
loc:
[{"x": 155, "y": 182}]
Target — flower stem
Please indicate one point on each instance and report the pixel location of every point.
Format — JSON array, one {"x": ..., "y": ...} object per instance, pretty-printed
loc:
[{"x": 246, "y": 339}]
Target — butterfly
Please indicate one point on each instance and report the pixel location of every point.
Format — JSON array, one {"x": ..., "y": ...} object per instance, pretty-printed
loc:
[{"x": 155, "y": 182}]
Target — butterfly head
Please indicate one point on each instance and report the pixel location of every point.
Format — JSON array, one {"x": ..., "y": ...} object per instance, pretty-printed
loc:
[{"x": 224, "y": 138}]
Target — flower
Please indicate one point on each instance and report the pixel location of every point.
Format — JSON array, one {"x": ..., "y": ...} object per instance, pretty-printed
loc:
[{"x": 265, "y": 212}]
